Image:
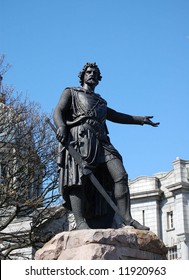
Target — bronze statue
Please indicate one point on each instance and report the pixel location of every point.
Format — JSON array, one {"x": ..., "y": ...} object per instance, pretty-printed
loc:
[{"x": 80, "y": 117}]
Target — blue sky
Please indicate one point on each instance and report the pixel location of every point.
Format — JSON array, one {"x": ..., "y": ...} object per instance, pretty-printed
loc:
[{"x": 141, "y": 48}]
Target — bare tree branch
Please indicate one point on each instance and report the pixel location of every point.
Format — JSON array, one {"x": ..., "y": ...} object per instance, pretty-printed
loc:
[{"x": 28, "y": 171}]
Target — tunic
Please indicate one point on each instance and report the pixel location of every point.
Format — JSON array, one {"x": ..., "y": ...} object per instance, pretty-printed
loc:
[{"x": 85, "y": 120}]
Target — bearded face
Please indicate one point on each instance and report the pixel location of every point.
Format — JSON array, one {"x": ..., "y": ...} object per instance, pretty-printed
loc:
[{"x": 91, "y": 76}]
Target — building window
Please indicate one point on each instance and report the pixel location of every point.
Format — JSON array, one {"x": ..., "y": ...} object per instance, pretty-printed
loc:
[
  {"x": 172, "y": 253},
  {"x": 187, "y": 169},
  {"x": 170, "y": 220},
  {"x": 143, "y": 217}
]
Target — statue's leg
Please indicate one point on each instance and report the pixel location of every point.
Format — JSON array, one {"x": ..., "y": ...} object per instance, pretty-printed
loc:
[
  {"x": 121, "y": 192},
  {"x": 122, "y": 196},
  {"x": 77, "y": 204}
]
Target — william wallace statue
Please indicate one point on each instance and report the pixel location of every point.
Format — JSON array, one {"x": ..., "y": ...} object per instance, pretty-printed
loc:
[{"x": 80, "y": 117}]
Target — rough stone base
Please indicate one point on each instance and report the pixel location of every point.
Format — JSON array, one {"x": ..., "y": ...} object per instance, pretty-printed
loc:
[{"x": 103, "y": 244}]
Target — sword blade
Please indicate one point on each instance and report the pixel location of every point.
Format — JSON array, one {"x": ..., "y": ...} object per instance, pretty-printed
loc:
[{"x": 102, "y": 191}]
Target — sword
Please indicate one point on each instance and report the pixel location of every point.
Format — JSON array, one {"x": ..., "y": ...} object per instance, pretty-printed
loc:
[{"x": 87, "y": 172}]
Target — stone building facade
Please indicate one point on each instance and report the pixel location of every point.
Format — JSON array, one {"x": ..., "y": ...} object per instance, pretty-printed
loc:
[{"x": 162, "y": 202}]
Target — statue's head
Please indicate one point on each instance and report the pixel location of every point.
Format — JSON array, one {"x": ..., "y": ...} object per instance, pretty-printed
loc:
[{"x": 82, "y": 72}]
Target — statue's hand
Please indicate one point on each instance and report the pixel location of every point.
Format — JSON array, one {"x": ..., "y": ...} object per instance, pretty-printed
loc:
[
  {"x": 61, "y": 134},
  {"x": 149, "y": 122}
]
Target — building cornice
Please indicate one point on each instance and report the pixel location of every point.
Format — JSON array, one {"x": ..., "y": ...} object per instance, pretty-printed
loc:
[
  {"x": 184, "y": 186},
  {"x": 145, "y": 194}
]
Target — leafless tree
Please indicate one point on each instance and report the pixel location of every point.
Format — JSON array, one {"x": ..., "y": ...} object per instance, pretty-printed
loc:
[{"x": 28, "y": 171}]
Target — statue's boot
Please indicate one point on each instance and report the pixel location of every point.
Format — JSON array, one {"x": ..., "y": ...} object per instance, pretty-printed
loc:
[
  {"x": 77, "y": 204},
  {"x": 137, "y": 225},
  {"x": 82, "y": 225}
]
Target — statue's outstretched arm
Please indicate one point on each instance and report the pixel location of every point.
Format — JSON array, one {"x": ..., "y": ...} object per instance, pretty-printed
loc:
[{"x": 118, "y": 117}]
